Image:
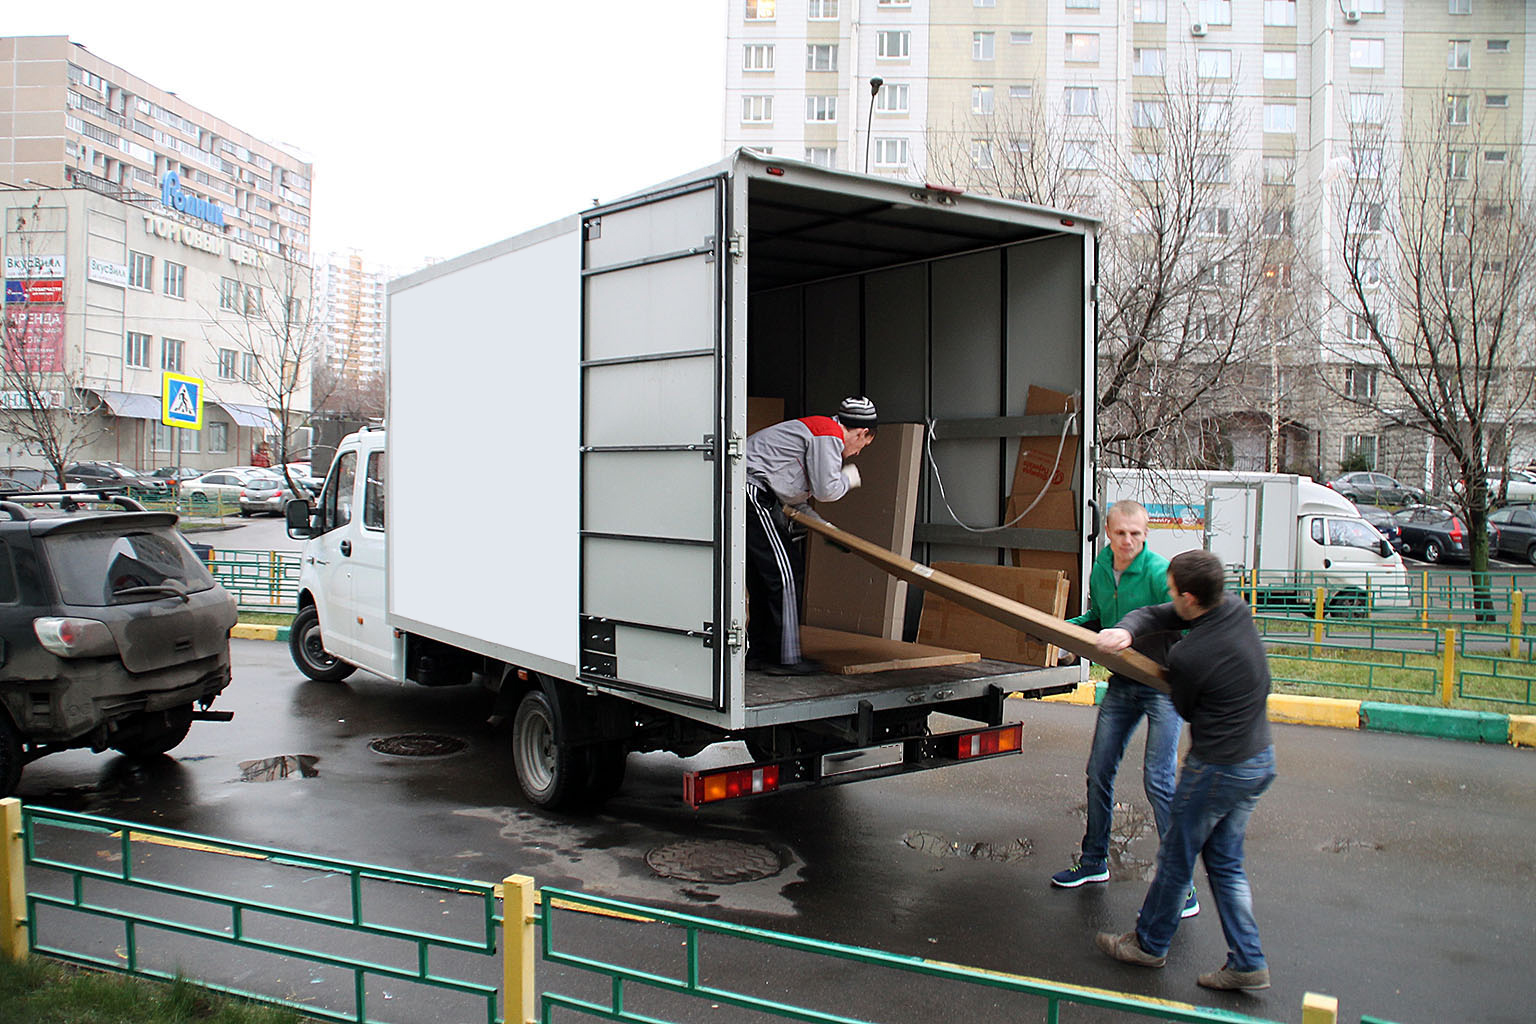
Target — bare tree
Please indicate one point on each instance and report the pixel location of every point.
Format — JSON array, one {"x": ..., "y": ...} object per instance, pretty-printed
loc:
[
  {"x": 43, "y": 402},
  {"x": 1435, "y": 244}
]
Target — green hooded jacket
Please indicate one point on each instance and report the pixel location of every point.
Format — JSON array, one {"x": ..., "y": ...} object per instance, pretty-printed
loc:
[{"x": 1144, "y": 582}]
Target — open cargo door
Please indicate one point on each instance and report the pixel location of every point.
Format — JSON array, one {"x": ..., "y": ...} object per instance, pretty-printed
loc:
[{"x": 653, "y": 466}]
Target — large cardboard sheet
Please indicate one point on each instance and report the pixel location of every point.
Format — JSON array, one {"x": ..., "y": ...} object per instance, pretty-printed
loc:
[
  {"x": 852, "y": 654},
  {"x": 1039, "y": 624},
  {"x": 947, "y": 624}
]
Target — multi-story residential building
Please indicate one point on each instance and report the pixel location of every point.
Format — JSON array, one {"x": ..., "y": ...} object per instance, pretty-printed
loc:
[
  {"x": 1313, "y": 89},
  {"x": 143, "y": 236},
  {"x": 352, "y": 296}
]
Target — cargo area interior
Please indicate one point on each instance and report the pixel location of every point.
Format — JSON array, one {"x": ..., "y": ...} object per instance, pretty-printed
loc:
[{"x": 852, "y": 294}]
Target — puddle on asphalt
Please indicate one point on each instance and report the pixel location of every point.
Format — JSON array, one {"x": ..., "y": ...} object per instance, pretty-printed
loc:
[
  {"x": 935, "y": 845},
  {"x": 268, "y": 769},
  {"x": 1340, "y": 844}
]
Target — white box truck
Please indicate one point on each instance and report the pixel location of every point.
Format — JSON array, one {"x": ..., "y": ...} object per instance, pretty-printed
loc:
[
  {"x": 1291, "y": 530},
  {"x": 565, "y": 501}
]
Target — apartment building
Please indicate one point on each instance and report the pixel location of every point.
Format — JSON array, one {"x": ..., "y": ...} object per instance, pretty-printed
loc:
[
  {"x": 352, "y": 296},
  {"x": 1317, "y": 89},
  {"x": 142, "y": 237}
]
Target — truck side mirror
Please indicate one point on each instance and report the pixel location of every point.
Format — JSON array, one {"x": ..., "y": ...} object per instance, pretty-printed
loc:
[
  {"x": 1386, "y": 549},
  {"x": 298, "y": 516}
]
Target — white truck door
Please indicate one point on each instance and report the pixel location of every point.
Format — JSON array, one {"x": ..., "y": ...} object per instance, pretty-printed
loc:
[
  {"x": 1232, "y": 524},
  {"x": 331, "y": 552},
  {"x": 654, "y": 465},
  {"x": 373, "y": 644}
]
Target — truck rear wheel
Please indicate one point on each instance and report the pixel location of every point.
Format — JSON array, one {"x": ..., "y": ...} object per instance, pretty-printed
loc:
[
  {"x": 10, "y": 756},
  {"x": 551, "y": 773},
  {"x": 307, "y": 648},
  {"x": 155, "y": 732}
]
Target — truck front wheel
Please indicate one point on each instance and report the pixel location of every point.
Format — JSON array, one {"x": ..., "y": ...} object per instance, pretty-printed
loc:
[
  {"x": 551, "y": 773},
  {"x": 307, "y": 648}
]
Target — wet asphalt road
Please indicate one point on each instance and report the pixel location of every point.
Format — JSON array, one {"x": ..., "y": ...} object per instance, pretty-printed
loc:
[{"x": 1396, "y": 873}]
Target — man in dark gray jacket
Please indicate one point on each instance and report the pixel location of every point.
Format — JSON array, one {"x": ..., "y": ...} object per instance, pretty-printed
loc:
[{"x": 1219, "y": 675}]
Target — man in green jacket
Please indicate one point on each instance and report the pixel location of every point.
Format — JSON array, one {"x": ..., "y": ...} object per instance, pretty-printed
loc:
[{"x": 1126, "y": 575}]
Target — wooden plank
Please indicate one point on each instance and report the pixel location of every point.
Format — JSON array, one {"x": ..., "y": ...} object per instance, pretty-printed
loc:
[
  {"x": 850, "y": 654},
  {"x": 1047, "y": 627},
  {"x": 947, "y": 624},
  {"x": 845, "y": 592}
]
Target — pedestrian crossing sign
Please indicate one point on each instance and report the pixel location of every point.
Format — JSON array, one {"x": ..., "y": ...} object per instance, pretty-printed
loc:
[{"x": 181, "y": 401}]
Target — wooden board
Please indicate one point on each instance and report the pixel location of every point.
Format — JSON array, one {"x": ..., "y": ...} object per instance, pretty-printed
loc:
[
  {"x": 1039, "y": 624},
  {"x": 851, "y": 654},
  {"x": 847, "y": 593},
  {"x": 947, "y": 624}
]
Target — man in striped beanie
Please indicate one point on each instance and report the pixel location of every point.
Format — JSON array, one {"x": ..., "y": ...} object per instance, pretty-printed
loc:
[{"x": 788, "y": 464}]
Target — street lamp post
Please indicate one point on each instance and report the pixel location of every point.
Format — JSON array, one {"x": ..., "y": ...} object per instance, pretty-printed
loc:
[{"x": 874, "y": 91}]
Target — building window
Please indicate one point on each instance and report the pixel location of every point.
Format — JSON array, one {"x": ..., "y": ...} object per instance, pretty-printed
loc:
[
  {"x": 1147, "y": 113},
  {"x": 1458, "y": 55},
  {"x": 1214, "y": 221},
  {"x": 1458, "y": 109},
  {"x": 229, "y": 294},
  {"x": 1277, "y": 224},
  {"x": 1082, "y": 47},
  {"x": 1021, "y": 92},
  {"x": 227, "y": 364},
  {"x": 981, "y": 99},
  {"x": 757, "y": 57},
  {"x": 1148, "y": 61},
  {"x": 1367, "y": 108},
  {"x": 136, "y": 350},
  {"x": 1367, "y": 161},
  {"x": 1081, "y": 101},
  {"x": 1079, "y": 155},
  {"x": 171, "y": 354},
  {"x": 1494, "y": 156},
  {"x": 983, "y": 45},
  {"x": 140, "y": 270},
  {"x": 1083, "y": 5},
  {"x": 1020, "y": 38},
  {"x": 891, "y": 152},
  {"x": 1361, "y": 446},
  {"x": 981, "y": 154},
  {"x": 821, "y": 10},
  {"x": 1498, "y": 46},
  {"x": 253, "y": 300},
  {"x": 160, "y": 441},
  {"x": 249, "y": 367},
  {"x": 893, "y": 45},
  {"x": 1213, "y": 116},
  {"x": 1280, "y": 13},
  {"x": 1153, "y": 12},
  {"x": 760, "y": 10},
  {"x": 1367, "y": 54},
  {"x": 1280, "y": 64},
  {"x": 1363, "y": 219},
  {"x": 1216, "y": 12},
  {"x": 1213, "y": 63},
  {"x": 1213, "y": 169},
  {"x": 821, "y": 108},
  {"x": 822, "y": 156},
  {"x": 1371, "y": 6},
  {"x": 1457, "y": 163},
  {"x": 757, "y": 109},
  {"x": 1280, "y": 118},
  {"x": 1494, "y": 100},
  {"x": 218, "y": 437},
  {"x": 892, "y": 98},
  {"x": 1146, "y": 166},
  {"x": 1459, "y": 7},
  {"x": 1278, "y": 275},
  {"x": 821, "y": 57},
  {"x": 175, "y": 282},
  {"x": 1359, "y": 328},
  {"x": 893, "y": 3},
  {"x": 983, "y": 3},
  {"x": 1279, "y": 170}
]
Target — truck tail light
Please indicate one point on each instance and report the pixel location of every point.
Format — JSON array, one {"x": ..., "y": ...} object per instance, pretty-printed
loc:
[
  {"x": 74, "y": 638},
  {"x": 707, "y": 787},
  {"x": 998, "y": 740}
]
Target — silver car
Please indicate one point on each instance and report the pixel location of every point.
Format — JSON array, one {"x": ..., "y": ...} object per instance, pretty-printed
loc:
[{"x": 265, "y": 492}]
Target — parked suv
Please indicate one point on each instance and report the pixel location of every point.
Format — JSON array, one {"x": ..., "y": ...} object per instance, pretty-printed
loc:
[
  {"x": 114, "y": 634},
  {"x": 115, "y": 474}
]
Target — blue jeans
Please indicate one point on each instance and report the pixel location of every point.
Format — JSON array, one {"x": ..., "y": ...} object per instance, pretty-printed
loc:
[
  {"x": 1210, "y": 815},
  {"x": 1124, "y": 704}
]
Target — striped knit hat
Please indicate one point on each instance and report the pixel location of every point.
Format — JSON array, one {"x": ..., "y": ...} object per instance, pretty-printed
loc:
[{"x": 857, "y": 412}]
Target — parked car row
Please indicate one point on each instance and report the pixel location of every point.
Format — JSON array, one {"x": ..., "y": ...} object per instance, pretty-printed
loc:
[
  {"x": 254, "y": 489},
  {"x": 1435, "y": 534}
]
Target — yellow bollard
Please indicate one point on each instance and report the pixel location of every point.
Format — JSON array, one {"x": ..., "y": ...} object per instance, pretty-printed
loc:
[
  {"x": 1516, "y": 616},
  {"x": 1319, "y": 601},
  {"x": 1448, "y": 668},
  {"x": 518, "y": 946},
  {"x": 1319, "y": 1009},
  {"x": 1424, "y": 598},
  {"x": 13, "y": 889}
]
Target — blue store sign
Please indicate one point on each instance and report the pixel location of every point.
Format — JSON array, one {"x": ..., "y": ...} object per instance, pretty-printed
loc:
[{"x": 172, "y": 195}]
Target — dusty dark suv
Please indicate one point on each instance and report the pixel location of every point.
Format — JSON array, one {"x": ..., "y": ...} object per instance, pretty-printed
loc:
[{"x": 112, "y": 632}]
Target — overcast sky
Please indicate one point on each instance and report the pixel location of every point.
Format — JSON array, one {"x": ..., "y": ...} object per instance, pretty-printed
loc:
[{"x": 434, "y": 127}]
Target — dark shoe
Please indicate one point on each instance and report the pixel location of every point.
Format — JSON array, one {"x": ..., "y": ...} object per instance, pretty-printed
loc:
[
  {"x": 1080, "y": 873},
  {"x": 1230, "y": 979},
  {"x": 1127, "y": 949},
  {"x": 1191, "y": 904},
  {"x": 804, "y": 667}
]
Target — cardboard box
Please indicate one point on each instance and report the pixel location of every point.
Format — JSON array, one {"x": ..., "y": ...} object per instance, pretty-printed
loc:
[{"x": 947, "y": 624}]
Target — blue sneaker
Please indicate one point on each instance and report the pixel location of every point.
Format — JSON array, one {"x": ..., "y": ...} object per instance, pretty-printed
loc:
[
  {"x": 1191, "y": 904},
  {"x": 1080, "y": 873}
]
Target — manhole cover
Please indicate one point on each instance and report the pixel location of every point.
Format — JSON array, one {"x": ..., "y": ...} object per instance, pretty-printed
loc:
[
  {"x": 723, "y": 860},
  {"x": 418, "y": 744}
]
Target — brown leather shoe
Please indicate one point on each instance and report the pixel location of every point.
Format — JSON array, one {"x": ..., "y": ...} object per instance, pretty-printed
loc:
[
  {"x": 1127, "y": 949},
  {"x": 1229, "y": 979}
]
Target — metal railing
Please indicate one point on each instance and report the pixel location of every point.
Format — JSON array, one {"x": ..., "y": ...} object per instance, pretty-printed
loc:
[
  {"x": 266, "y": 581},
  {"x": 159, "y": 903}
]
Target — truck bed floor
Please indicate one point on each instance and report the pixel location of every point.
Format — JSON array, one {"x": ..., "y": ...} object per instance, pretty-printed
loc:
[{"x": 764, "y": 690}]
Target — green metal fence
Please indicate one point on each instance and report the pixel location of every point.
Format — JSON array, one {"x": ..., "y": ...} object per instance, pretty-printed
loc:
[
  {"x": 266, "y": 581},
  {"x": 345, "y": 941}
]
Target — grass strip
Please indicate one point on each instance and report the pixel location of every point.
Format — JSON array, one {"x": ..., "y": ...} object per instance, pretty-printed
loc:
[{"x": 43, "y": 991}]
